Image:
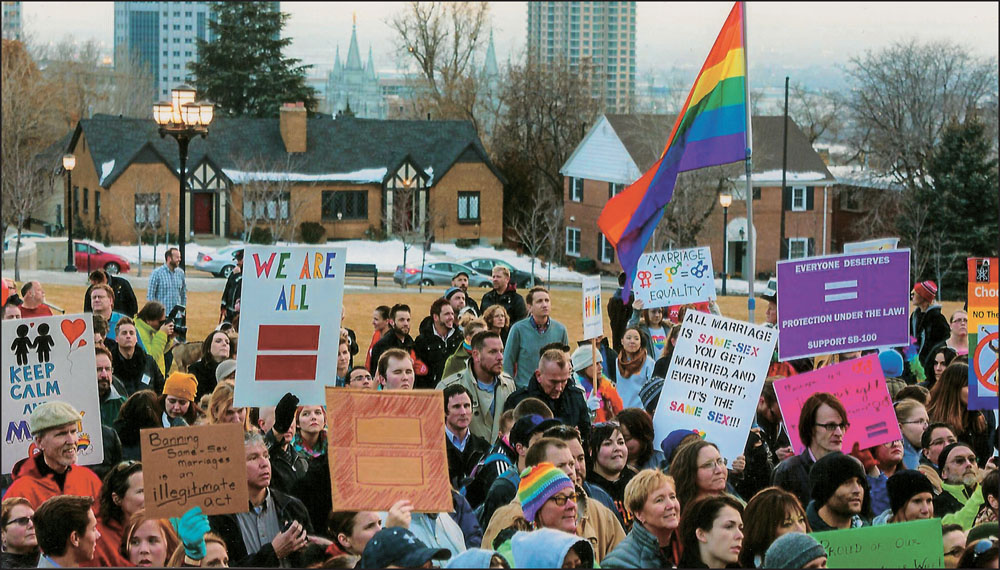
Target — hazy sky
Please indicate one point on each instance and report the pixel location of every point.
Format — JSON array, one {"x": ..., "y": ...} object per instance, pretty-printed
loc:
[{"x": 670, "y": 34}]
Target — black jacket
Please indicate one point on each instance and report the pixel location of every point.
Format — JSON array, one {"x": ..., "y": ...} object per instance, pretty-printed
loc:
[
  {"x": 498, "y": 459},
  {"x": 929, "y": 327},
  {"x": 288, "y": 507},
  {"x": 204, "y": 371},
  {"x": 313, "y": 489},
  {"x": 287, "y": 466},
  {"x": 232, "y": 293},
  {"x": 125, "y": 302},
  {"x": 434, "y": 352},
  {"x": 570, "y": 408},
  {"x": 389, "y": 340},
  {"x": 511, "y": 300},
  {"x": 137, "y": 373},
  {"x": 461, "y": 463},
  {"x": 792, "y": 475},
  {"x": 618, "y": 313}
]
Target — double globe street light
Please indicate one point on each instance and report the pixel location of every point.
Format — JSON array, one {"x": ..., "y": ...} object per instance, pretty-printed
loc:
[{"x": 183, "y": 119}]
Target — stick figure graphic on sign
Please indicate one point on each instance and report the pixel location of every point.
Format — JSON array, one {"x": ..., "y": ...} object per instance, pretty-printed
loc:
[
  {"x": 21, "y": 345},
  {"x": 43, "y": 343}
]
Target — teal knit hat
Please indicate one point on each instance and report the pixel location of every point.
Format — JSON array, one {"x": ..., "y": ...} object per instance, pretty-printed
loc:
[{"x": 793, "y": 550}]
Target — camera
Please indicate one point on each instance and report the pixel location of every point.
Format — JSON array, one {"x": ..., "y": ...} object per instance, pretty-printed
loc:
[{"x": 178, "y": 316}]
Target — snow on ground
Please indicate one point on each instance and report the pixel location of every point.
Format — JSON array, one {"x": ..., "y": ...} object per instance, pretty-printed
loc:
[{"x": 388, "y": 254}]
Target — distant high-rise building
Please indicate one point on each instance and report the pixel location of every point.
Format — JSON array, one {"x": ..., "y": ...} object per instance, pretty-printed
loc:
[
  {"x": 353, "y": 85},
  {"x": 164, "y": 35},
  {"x": 602, "y": 33},
  {"x": 12, "y": 20}
]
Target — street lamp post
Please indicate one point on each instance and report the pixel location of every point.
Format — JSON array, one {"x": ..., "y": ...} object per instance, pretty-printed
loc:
[
  {"x": 183, "y": 119},
  {"x": 725, "y": 200},
  {"x": 69, "y": 163}
]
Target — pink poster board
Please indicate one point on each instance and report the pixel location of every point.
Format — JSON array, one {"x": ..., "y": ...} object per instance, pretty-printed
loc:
[{"x": 860, "y": 386}]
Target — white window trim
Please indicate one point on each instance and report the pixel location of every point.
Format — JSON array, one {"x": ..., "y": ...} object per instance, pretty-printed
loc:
[
  {"x": 805, "y": 247},
  {"x": 603, "y": 242},
  {"x": 569, "y": 241},
  {"x": 803, "y": 190},
  {"x": 572, "y": 189}
]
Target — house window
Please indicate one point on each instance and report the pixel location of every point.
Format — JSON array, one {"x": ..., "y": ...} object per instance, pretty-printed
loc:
[
  {"x": 798, "y": 248},
  {"x": 576, "y": 189},
  {"x": 605, "y": 251},
  {"x": 468, "y": 206},
  {"x": 97, "y": 205},
  {"x": 614, "y": 189},
  {"x": 345, "y": 205},
  {"x": 147, "y": 209},
  {"x": 798, "y": 199},
  {"x": 850, "y": 201},
  {"x": 573, "y": 236},
  {"x": 86, "y": 199}
]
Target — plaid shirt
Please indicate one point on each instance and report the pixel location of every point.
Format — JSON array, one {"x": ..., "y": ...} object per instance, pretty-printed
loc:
[{"x": 167, "y": 287}]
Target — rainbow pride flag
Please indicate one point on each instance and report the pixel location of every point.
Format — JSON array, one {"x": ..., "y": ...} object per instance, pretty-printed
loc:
[{"x": 711, "y": 129}]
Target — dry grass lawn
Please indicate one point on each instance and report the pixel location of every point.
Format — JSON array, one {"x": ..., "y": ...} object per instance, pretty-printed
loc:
[{"x": 203, "y": 308}]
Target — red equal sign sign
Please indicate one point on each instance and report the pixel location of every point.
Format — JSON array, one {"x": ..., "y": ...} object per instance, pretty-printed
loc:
[{"x": 283, "y": 339}]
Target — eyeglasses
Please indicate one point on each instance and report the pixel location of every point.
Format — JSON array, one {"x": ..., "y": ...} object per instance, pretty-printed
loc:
[
  {"x": 832, "y": 427},
  {"x": 720, "y": 462},
  {"x": 19, "y": 521},
  {"x": 947, "y": 441},
  {"x": 922, "y": 422},
  {"x": 962, "y": 460},
  {"x": 560, "y": 500}
]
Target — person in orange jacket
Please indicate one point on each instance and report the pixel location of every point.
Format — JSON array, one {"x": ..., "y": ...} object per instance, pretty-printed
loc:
[{"x": 602, "y": 397}]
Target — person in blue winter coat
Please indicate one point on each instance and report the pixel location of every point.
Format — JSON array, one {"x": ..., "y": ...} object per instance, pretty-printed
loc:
[{"x": 550, "y": 548}]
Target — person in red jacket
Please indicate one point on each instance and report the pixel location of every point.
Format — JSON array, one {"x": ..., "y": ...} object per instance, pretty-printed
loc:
[{"x": 53, "y": 471}]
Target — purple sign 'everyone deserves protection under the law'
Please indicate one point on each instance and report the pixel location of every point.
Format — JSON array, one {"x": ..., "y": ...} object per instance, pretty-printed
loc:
[{"x": 840, "y": 303}]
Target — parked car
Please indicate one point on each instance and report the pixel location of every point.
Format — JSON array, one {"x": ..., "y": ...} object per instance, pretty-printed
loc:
[
  {"x": 484, "y": 266},
  {"x": 88, "y": 257},
  {"x": 11, "y": 240},
  {"x": 439, "y": 273},
  {"x": 220, "y": 263}
]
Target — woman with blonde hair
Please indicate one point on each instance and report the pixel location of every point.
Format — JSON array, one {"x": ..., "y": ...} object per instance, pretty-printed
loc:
[
  {"x": 653, "y": 542},
  {"x": 221, "y": 410},
  {"x": 20, "y": 546},
  {"x": 147, "y": 541},
  {"x": 498, "y": 320}
]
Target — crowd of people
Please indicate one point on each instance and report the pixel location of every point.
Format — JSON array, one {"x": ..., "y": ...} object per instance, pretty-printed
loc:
[{"x": 551, "y": 451}]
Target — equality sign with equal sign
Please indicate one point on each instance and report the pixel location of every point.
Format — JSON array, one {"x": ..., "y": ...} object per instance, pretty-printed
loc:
[
  {"x": 843, "y": 303},
  {"x": 289, "y": 323}
]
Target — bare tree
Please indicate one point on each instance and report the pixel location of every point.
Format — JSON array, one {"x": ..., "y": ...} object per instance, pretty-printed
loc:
[
  {"x": 443, "y": 39},
  {"x": 696, "y": 194},
  {"x": 143, "y": 216},
  {"x": 133, "y": 86},
  {"x": 402, "y": 219},
  {"x": 27, "y": 130},
  {"x": 820, "y": 114},
  {"x": 537, "y": 226}
]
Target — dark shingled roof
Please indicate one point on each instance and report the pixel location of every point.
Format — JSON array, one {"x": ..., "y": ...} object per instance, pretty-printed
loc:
[
  {"x": 644, "y": 137},
  {"x": 343, "y": 145}
]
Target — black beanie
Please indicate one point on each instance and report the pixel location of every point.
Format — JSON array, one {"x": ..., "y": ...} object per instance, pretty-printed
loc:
[
  {"x": 943, "y": 457},
  {"x": 904, "y": 485},
  {"x": 831, "y": 471}
]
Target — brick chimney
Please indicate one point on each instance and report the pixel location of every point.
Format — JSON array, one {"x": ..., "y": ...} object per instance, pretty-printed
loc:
[{"x": 292, "y": 125}]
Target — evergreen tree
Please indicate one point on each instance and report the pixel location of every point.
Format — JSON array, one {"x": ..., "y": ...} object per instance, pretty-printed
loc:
[
  {"x": 243, "y": 70},
  {"x": 964, "y": 201}
]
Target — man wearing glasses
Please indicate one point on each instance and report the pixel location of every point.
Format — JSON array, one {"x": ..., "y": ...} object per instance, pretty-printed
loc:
[
  {"x": 822, "y": 426},
  {"x": 962, "y": 495}
]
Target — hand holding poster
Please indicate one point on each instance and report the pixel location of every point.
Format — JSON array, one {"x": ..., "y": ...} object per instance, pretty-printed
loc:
[
  {"x": 843, "y": 303},
  {"x": 290, "y": 323},
  {"x": 674, "y": 277},
  {"x": 385, "y": 446},
  {"x": 593, "y": 318},
  {"x": 914, "y": 544},
  {"x": 195, "y": 466},
  {"x": 714, "y": 380},
  {"x": 984, "y": 338},
  {"x": 860, "y": 387},
  {"x": 47, "y": 359}
]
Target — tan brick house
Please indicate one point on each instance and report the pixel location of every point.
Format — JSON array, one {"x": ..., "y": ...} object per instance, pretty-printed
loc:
[
  {"x": 618, "y": 149},
  {"x": 353, "y": 176}
]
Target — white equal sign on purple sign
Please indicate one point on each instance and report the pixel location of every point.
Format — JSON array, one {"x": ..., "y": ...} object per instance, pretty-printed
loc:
[{"x": 837, "y": 286}]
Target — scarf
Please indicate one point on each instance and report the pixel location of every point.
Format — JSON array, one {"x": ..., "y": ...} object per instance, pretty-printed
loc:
[{"x": 631, "y": 367}]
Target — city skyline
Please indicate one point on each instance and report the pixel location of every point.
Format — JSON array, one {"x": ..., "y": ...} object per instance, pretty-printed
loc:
[{"x": 805, "y": 37}]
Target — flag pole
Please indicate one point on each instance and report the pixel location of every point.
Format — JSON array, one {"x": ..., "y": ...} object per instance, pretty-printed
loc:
[{"x": 751, "y": 270}]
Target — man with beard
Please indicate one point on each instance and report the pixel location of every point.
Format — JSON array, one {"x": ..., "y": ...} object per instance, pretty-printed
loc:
[
  {"x": 436, "y": 343},
  {"x": 275, "y": 527},
  {"x": 962, "y": 495},
  {"x": 487, "y": 383},
  {"x": 110, "y": 391},
  {"x": 53, "y": 471},
  {"x": 461, "y": 281},
  {"x": 398, "y": 336},
  {"x": 839, "y": 493}
]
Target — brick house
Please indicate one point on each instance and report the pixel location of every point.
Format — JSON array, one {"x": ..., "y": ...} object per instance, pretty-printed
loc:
[
  {"x": 353, "y": 176},
  {"x": 618, "y": 149}
]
